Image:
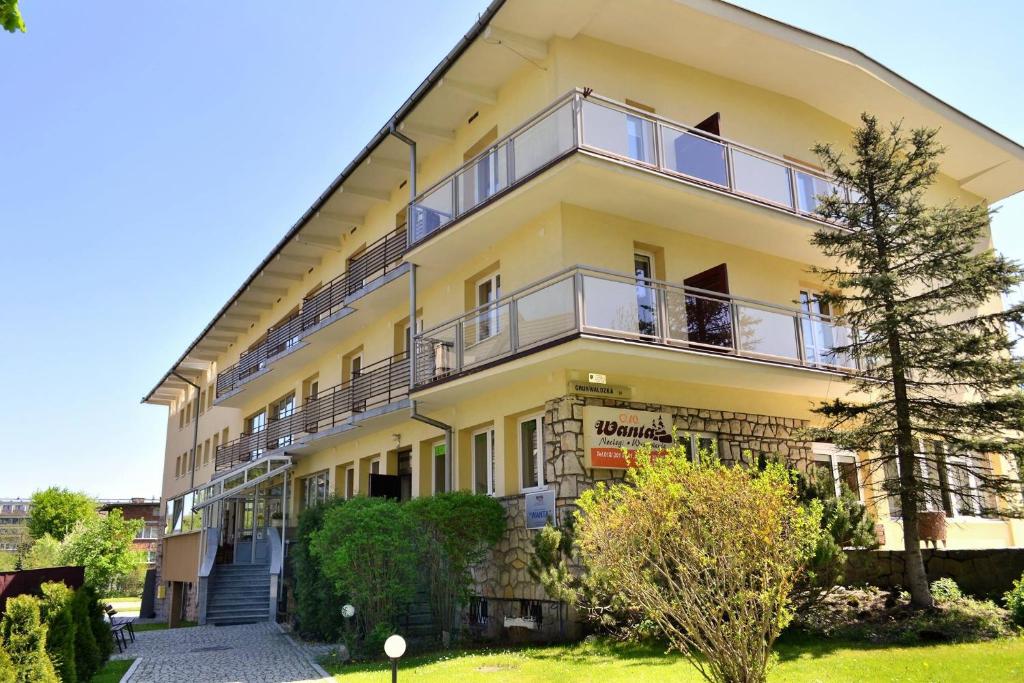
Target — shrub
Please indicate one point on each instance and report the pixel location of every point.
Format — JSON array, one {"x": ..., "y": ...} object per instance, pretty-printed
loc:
[
  {"x": 709, "y": 553},
  {"x": 24, "y": 637},
  {"x": 88, "y": 657},
  {"x": 887, "y": 617},
  {"x": 367, "y": 548},
  {"x": 7, "y": 672},
  {"x": 457, "y": 530},
  {"x": 317, "y": 601},
  {"x": 58, "y": 614},
  {"x": 44, "y": 552},
  {"x": 945, "y": 591},
  {"x": 105, "y": 547},
  {"x": 1015, "y": 601}
]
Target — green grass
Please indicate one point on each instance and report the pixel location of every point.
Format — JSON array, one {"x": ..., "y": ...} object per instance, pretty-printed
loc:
[
  {"x": 124, "y": 604},
  {"x": 161, "y": 626},
  {"x": 112, "y": 672},
  {"x": 800, "y": 661}
]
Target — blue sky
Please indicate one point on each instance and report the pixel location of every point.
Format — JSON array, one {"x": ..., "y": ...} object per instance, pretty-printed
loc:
[{"x": 152, "y": 153}]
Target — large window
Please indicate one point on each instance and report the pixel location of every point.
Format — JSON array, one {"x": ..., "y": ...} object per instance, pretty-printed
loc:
[
  {"x": 836, "y": 468},
  {"x": 531, "y": 452},
  {"x": 483, "y": 462},
  {"x": 437, "y": 455},
  {"x": 314, "y": 489},
  {"x": 950, "y": 482},
  {"x": 488, "y": 291}
]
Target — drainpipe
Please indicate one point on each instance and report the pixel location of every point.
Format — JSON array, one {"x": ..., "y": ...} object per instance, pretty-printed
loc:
[{"x": 413, "y": 413}]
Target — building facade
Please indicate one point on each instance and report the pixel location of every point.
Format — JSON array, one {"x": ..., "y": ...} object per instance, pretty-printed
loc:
[
  {"x": 148, "y": 510},
  {"x": 590, "y": 222},
  {"x": 14, "y": 514}
]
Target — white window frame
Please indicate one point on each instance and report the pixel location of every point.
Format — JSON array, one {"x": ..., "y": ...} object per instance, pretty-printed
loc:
[
  {"x": 833, "y": 455},
  {"x": 492, "y": 314},
  {"x": 539, "y": 419},
  {"x": 489, "y": 459},
  {"x": 350, "y": 491},
  {"x": 695, "y": 439}
]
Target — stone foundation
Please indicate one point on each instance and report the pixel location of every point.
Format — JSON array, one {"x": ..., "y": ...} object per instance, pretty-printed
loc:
[
  {"x": 505, "y": 576},
  {"x": 983, "y": 573}
]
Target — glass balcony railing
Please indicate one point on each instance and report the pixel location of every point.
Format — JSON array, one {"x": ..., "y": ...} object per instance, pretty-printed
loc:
[
  {"x": 598, "y": 125},
  {"x": 601, "y": 303}
]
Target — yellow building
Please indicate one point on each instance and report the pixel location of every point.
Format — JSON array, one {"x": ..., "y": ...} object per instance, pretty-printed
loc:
[{"x": 589, "y": 211}]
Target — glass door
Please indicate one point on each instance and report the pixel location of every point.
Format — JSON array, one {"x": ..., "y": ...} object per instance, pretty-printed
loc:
[
  {"x": 646, "y": 297},
  {"x": 818, "y": 339}
]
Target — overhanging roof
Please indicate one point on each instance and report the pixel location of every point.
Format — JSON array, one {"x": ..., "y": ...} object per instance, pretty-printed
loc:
[{"x": 705, "y": 34}]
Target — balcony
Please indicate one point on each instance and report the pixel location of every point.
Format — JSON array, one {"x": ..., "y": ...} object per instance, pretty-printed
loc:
[
  {"x": 376, "y": 388},
  {"x": 369, "y": 270},
  {"x": 589, "y": 303},
  {"x": 626, "y": 137}
]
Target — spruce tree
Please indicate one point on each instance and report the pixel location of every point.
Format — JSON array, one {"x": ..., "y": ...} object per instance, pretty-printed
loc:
[
  {"x": 920, "y": 287},
  {"x": 88, "y": 657}
]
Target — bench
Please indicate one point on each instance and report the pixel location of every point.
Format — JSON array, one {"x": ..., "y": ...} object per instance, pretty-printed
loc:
[{"x": 119, "y": 626}]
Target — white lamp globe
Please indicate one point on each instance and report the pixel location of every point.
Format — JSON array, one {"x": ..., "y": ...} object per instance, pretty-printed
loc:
[
  {"x": 394, "y": 646},
  {"x": 347, "y": 611}
]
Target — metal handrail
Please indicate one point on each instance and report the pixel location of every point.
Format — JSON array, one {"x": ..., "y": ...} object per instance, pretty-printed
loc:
[
  {"x": 379, "y": 258},
  {"x": 377, "y": 384}
]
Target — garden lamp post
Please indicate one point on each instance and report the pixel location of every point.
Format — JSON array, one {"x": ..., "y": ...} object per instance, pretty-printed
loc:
[{"x": 394, "y": 647}]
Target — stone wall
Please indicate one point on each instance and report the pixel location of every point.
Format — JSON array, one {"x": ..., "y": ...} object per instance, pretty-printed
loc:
[
  {"x": 505, "y": 575},
  {"x": 982, "y": 573}
]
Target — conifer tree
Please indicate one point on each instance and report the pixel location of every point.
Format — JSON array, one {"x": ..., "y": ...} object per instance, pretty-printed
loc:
[
  {"x": 58, "y": 614},
  {"x": 920, "y": 287},
  {"x": 24, "y": 638}
]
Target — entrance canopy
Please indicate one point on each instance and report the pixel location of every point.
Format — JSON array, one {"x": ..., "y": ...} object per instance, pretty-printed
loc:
[{"x": 242, "y": 479}]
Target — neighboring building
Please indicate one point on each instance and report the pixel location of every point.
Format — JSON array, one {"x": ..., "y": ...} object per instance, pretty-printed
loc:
[
  {"x": 146, "y": 509},
  {"x": 14, "y": 514},
  {"x": 609, "y": 225}
]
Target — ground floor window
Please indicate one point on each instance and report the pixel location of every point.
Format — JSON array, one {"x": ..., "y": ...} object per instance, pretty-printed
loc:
[
  {"x": 699, "y": 443},
  {"x": 440, "y": 466},
  {"x": 483, "y": 462},
  {"x": 350, "y": 483},
  {"x": 950, "y": 482},
  {"x": 836, "y": 468},
  {"x": 314, "y": 489},
  {"x": 531, "y": 452}
]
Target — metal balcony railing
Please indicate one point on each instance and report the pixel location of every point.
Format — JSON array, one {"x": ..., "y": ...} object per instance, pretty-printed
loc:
[
  {"x": 595, "y": 302},
  {"x": 579, "y": 121},
  {"x": 379, "y": 258},
  {"x": 378, "y": 384}
]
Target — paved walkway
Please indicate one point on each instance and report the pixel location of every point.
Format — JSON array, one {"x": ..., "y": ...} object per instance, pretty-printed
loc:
[{"x": 256, "y": 653}]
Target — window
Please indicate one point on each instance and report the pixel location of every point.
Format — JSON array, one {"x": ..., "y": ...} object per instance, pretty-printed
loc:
[
  {"x": 817, "y": 330},
  {"x": 699, "y": 443},
  {"x": 314, "y": 489},
  {"x": 437, "y": 454},
  {"x": 836, "y": 468},
  {"x": 950, "y": 482},
  {"x": 488, "y": 290},
  {"x": 359, "y": 387},
  {"x": 483, "y": 462},
  {"x": 253, "y": 425},
  {"x": 375, "y": 467},
  {"x": 350, "y": 482},
  {"x": 531, "y": 452},
  {"x": 177, "y": 466},
  {"x": 181, "y": 417},
  {"x": 643, "y": 265},
  {"x": 282, "y": 409},
  {"x": 202, "y": 402},
  {"x": 206, "y": 453}
]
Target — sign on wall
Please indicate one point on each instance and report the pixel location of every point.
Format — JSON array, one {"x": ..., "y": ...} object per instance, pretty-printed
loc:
[
  {"x": 540, "y": 508},
  {"x": 608, "y": 432},
  {"x": 599, "y": 390}
]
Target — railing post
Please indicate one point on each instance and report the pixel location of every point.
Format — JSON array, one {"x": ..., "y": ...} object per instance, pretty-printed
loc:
[
  {"x": 577, "y": 120},
  {"x": 661, "y": 308},
  {"x": 658, "y": 151},
  {"x": 579, "y": 300},
  {"x": 734, "y": 317},
  {"x": 730, "y": 172},
  {"x": 460, "y": 343},
  {"x": 800, "y": 348},
  {"x": 510, "y": 162},
  {"x": 792, "y": 189},
  {"x": 513, "y": 325}
]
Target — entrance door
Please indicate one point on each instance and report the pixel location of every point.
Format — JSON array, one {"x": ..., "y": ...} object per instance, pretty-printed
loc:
[
  {"x": 646, "y": 297},
  {"x": 709, "y": 317}
]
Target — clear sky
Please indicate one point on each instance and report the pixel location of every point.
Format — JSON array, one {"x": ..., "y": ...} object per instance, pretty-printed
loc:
[{"x": 152, "y": 153}]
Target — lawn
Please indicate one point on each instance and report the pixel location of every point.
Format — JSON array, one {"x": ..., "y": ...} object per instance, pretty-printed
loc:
[
  {"x": 161, "y": 626},
  {"x": 112, "y": 672},
  {"x": 125, "y": 604},
  {"x": 799, "y": 661}
]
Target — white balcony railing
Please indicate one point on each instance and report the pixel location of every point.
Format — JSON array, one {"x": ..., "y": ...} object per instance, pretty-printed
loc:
[
  {"x": 602, "y": 126},
  {"x": 595, "y": 302}
]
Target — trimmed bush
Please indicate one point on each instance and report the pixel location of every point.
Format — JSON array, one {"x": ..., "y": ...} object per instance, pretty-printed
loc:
[
  {"x": 317, "y": 601},
  {"x": 98, "y": 622},
  {"x": 946, "y": 591},
  {"x": 58, "y": 614},
  {"x": 7, "y": 672},
  {"x": 458, "y": 529},
  {"x": 367, "y": 547},
  {"x": 1015, "y": 601},
  {"x": 87, "y": 653},
  {"x": 24, "y": 637}
]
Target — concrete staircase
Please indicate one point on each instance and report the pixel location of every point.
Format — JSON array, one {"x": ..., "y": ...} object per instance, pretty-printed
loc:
[{"x": 239, "y": 594}]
